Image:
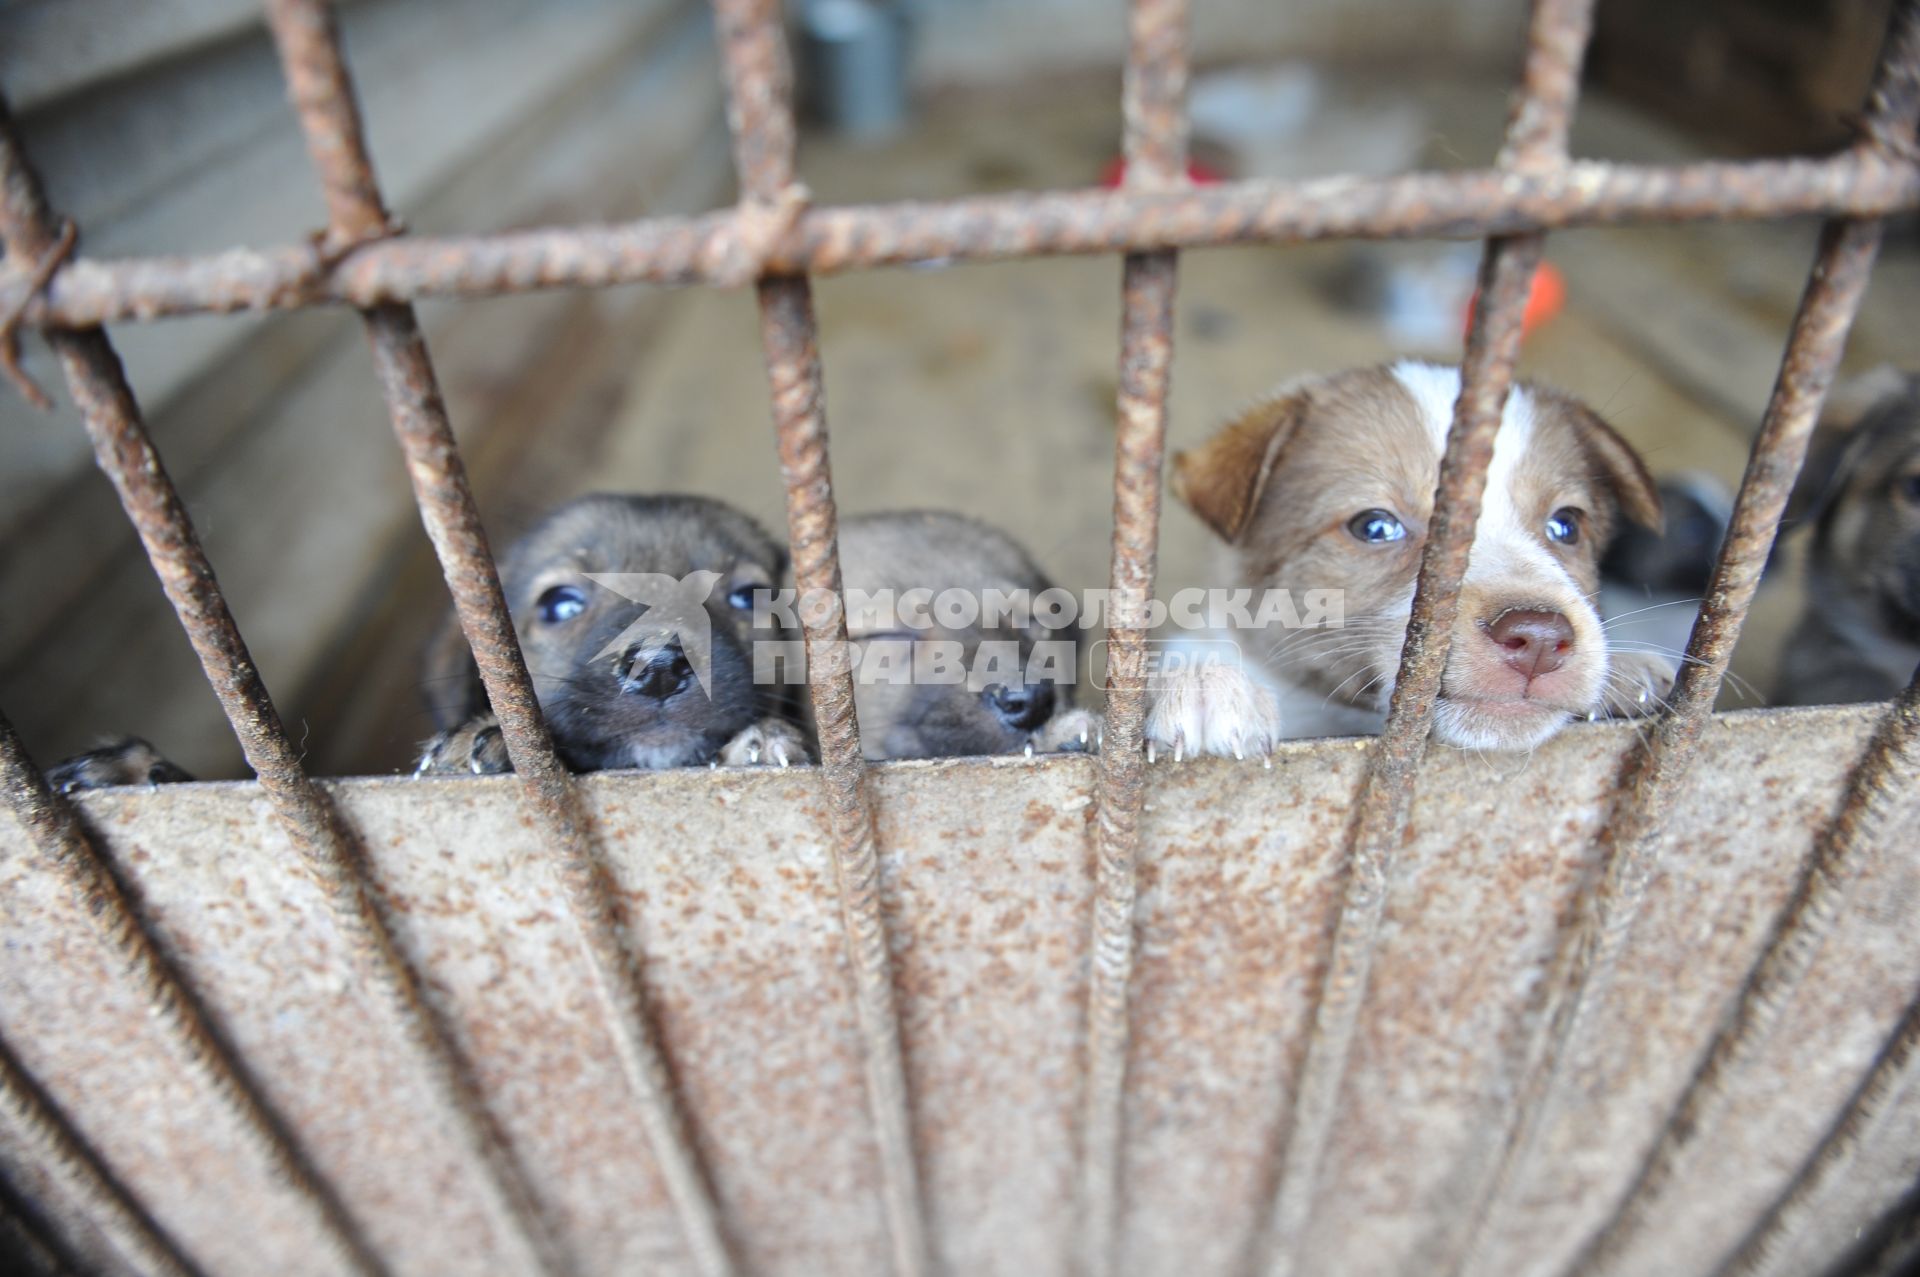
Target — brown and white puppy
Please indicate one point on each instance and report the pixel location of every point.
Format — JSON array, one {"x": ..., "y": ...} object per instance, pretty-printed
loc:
[
  {"x": 930, "y": 564},
  {"x": 1859, "y": 638},
  {"x": 649, "y": 665},
  {"x": 1327, "y": 485}
]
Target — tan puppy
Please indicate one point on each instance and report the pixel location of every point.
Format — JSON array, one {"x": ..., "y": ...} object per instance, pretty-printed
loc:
[
  {"x": 639, "y": 622},
  {"x": 1327, "y": 485},
  {"x": 935, "y": 567},
  {"x": 1859, "y": 638}
]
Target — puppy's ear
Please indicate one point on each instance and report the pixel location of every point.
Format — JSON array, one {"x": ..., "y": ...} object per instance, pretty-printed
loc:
[
  {"x": 1222, "y": 479},
  {"x": 452, "y": 690},
  {"x": 1838, "y": 442},
  {"x": 1626, "y": 475}
]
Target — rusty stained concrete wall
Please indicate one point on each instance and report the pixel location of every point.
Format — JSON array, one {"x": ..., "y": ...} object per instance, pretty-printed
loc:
[{"x": 726, "y": 888}]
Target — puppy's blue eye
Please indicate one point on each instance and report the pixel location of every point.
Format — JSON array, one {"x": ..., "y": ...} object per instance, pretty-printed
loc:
[
  {"x": 1563, "y": 526},
  {"x": 1377, "y": 527},
  {"x": 1910, "y": 488},
  {"x": 561, "y": 603},
  {"x": 741, "y": 596}
]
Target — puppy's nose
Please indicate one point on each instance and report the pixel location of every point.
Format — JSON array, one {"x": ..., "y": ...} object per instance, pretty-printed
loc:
[
  {"x": 1534, "y": 643},
  {"x": 1023, "y": 708},
  {"x": 659, "y": 673}
]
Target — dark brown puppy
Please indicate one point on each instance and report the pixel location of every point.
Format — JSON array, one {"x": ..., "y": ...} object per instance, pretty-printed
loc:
[
  {"x": 1859, "y": 638},
  {"x": 637, "y": 616},
  {"x": 942, "y": 670}
]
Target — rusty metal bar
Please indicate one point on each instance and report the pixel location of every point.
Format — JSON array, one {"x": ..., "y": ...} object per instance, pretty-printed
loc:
[
  {"x": 1536, "y": 142},
  {"x": 71, "y": 856},
  {"x": 323, "y": 98},
  {"x": 682, "y": 251},
  {"x": 61, "y": 1149},
  {"x": 759, "y": 80},
  {"x": 1154, "y": 107},
  {"x": 125, "y": 452},
  {"x": 1882, "y": 786},
  {"x": 1891, "y": 1077},
  {"x": 1653, "y": 778}
]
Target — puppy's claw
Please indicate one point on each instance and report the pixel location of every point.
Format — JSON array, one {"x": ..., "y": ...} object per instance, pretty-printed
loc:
[
  {"x": 475, "y": 748},
  {"x": 126, "y": 761},
  {"x": 1070, "y": 731},
  {"x": 1150, "y": 755},
  {"x": 1213, "y": 709},
  {"x": 771, "y": 742},
  {"x": 1649, "y": 676}
]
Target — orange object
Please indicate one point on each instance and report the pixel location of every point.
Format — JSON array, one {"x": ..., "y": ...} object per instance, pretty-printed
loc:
[{"x": 1546, "y": 297}]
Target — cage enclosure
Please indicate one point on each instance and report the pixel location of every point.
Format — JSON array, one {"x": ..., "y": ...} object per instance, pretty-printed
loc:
[{"x": 1644, "y": 1000}]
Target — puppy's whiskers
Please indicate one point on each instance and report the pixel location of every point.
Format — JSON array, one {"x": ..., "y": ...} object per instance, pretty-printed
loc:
[{"x": 1611, "y": 621}]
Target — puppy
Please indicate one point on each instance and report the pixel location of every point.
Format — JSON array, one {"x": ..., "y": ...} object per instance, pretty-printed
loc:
[
  {"x": 1859, "y": 638},
  {"x": 932, "y": 564},
  {"x": 649, "y": 665},
  {"x": 125, "y": 761},
  {"x": 1327, "y": 486}
]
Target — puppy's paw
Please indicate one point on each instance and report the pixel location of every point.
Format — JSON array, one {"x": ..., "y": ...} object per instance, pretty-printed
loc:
[
  {"x": 475, "y": 748},
  {"x": 771, "y": 742},
  {"x": 1214, "y": 709},
  {"x": 1074, "y": 731},
  {"x": 126, "y": 761},
  {"x": 1638, "y": 684}
]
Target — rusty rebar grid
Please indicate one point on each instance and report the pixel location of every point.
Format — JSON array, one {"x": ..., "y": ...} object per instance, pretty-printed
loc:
[
  {"x": 1536, "y": 141},
  {"x": 759, "y": 83},
  {"x": 1892, "y": 1076},
  {"x": 1880, "y": 792},
  {"x": 50, "y": 821},
  {"x": 708, "y": 249},
  {"x": 1154, "y": 112},
  {"x": 770, "y": 234},
  {"x": 123, "y": 1221},
  {"x": 1654, "y": 774},
  {"x": 321, "y": 91}
]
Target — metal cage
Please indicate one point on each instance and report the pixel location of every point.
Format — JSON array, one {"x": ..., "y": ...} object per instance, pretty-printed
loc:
[{"x": 123, "y": 1167}]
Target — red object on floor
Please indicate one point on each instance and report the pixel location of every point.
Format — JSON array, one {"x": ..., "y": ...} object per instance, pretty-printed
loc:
[
  {"x": 1546, "y": 297},
  {"x": 1116, "y": 172}
]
